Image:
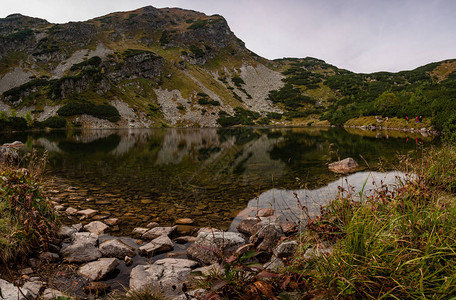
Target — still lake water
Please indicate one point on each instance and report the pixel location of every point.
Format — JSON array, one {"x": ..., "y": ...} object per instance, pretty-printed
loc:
[{"x": 210, "y": 175}]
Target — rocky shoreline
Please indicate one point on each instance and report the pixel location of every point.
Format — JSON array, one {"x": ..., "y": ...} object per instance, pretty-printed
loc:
[{"x": 82, "y": 261}]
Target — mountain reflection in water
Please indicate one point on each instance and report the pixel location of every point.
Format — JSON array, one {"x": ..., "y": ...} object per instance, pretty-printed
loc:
[
  {"x": 298, "y": 205},
  {"x": 209, "y": 175}
]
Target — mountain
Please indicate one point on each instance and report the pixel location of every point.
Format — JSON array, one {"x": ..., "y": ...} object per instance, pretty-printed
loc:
[{"x": 173, "y": 67}]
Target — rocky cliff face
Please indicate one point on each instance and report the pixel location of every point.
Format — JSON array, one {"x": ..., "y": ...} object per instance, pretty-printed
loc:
[{"x": 171, "y": 66}]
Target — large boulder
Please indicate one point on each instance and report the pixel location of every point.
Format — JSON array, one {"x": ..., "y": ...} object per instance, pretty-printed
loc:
[
  {"x": 166, "y": 275},
  {"x": 116, "y": 248},
  {"x": 82, "y": 249},
  {"x": 158, "y": 231},
  {"x": 347, "y": 165},
  {"x": 96, "y": 227},
  {"x": 98, "y": 270},
  {"x": 211, "y": 247},
  {"x": 10, "y": 291},
  {"x": 159, "y": 245},
  {"x": 265, "y": 233}
]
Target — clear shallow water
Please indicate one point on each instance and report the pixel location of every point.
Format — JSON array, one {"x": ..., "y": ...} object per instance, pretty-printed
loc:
[{"x": 209, "y": 175}]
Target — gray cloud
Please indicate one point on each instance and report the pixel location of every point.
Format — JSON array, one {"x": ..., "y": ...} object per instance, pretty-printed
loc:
[{"x": 359, "y": 35}]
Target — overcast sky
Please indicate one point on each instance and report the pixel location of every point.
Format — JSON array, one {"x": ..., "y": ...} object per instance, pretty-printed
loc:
[{"x": 358, "y": 35}]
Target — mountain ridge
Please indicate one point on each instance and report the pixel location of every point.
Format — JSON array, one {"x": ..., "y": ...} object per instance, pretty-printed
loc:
[{"x": 154, "y": 67}]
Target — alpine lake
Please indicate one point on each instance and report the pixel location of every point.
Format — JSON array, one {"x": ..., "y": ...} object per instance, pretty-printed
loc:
[{"x": 214, "y": 176}]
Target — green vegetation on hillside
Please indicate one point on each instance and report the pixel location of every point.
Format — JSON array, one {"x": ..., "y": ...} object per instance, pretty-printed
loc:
[{"x": 104, "y": 111}]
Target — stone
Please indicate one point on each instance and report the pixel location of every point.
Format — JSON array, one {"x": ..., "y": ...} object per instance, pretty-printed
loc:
[
  {"x": 158, "y": 245},
  {"x": 49, "y": 257},
  {"x": 96, "y": 288},
  {"x": 99, "y": 269},
  {"x": 71, "y": 211},
  {"x": 184, "y": 221},
  {"x": 116, "y": 248},
  {"x": 59, "y": 207},
  {"x": 286, "y": 249},
  {"x": 85, "y": 237},
  {"x": 158, "y": 231},
  {"x": 27, "y": 271},
  {"x": 78, "y": 227},
  {"x": 176, "y": 263},
  {"x": 152, "y": 225},
  {"x": 112, "y": 221},
  {"x": 208, "y": 229},
  {"x": 50, "y": 294},
  {"x": 267, "y": 237},
  {"x": 288, "y": 227},
  {"x": 206, "y": 270},
  {"x": 166, "y": 277},
  {"x": 10, "y": 291},
  {"x": 344, "y": 166},
  {"x": 82, "y": 249},
  {"x": 88, "y": 212},
  {"x": 318, "y": 251},
  {"x": 33, "y": 287},
  {"x": 96, "y": 227},
  {"x": 249, "y": 225},
  {"x": 274, "y": 265},
  {"x": 210, "y": 247},
  {"x": 15, "y": 144},
  {"x": 266, "y": 212},
  {"x": 128, "y": 260},
  {"x": 66, "y": 232},
  {"x": 139, "y": 231}
]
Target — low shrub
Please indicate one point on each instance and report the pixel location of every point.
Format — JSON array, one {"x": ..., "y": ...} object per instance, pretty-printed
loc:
[
  {"x": 27, "y": 218},
  {"x": 104, "y": 111}
]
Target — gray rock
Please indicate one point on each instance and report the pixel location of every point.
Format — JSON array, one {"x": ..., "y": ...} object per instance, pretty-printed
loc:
[
  {"x": 176, "y": 263},
  {"x": 275, "y": 264},
  {"x": 249, "y": 225},
  {"x": 71, "y": 211},
  {"x": 15, "y": 144},
  {"x": 96, "y": 227},
  {"x": 286, "y": 249},
  {"x": 116, "y": 248},
  {"x": 139, "y": 231},
  {"x": 265, "y": 232},
  {"x": 49, "y": 257},
  {"x": 11, "y": 292},
  {"x": 209, "y": 248},
  {"x": 344, "y": 166},
  {"x": 152, "y": 225},
  {"x": 78, "y": 227},
  {"x": 158, "y": 231},
  {"x": 315, "y": 252},
  {"x": 66, "y": 232},
  {"x": 167, "y": 277},
  {"x": 85, "y": 238},
  {"x": 98, "y": 270},
  {"x": 82, "y": 249},
  {"x": 266, "y": 212},
  {"x": 87, "y": 212},
  {"x": 50, "y": 294},
  {"x": 159, "y": 245},
  {"x": 112, "y": 221},
  {"x": 33, "y": 287},
  {"x": 267, "y": 237}
]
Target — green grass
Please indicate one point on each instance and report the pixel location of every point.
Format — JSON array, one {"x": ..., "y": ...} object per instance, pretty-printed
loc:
[{"x": 399, "y": 245}]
